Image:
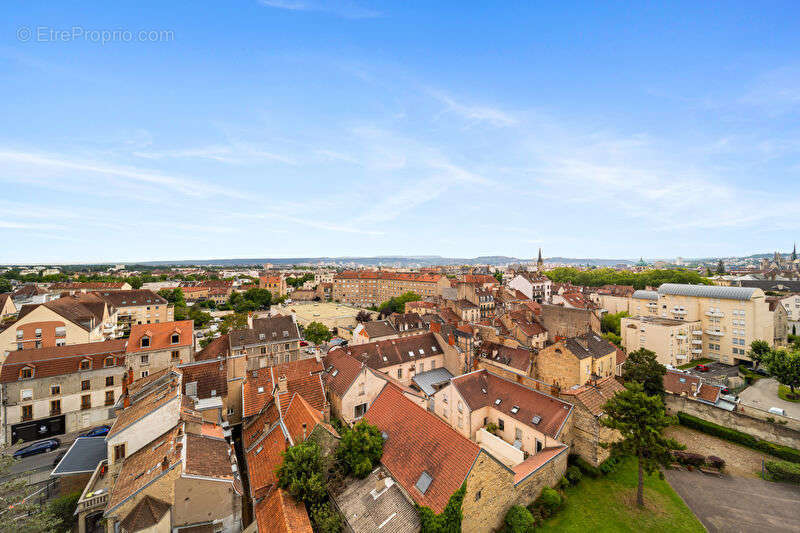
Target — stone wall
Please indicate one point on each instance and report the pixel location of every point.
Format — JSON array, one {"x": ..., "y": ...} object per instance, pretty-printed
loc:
[
  {"x": 588, "y": 433},
  {"x": 747, "y": 420},
  {"x": 567, "y": 322}
]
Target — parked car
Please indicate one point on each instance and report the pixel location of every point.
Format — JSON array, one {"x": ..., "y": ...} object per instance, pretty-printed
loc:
[
  {"x": 725, "y": 390},
  {"x": 777, "y": 411},
  {"x": 100, "y": 431},
  {"x": 303, "y": 343},
  {"x": 43, "y": 446},
  {"x": 702, "y": 368}
]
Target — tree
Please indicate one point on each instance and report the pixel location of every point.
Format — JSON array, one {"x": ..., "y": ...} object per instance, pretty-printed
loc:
[
  {"x": 200, "y": 318},
  {"x": 640, "y": 418},
  {"x": 642, "y": 367},
  {"x": 760, "y": 352},
  {"x": 317, "y": 333},
  {"x": 135, "y": 282},
  {"x": 398, "y": 305},
  {"x": 20, "y": 516},
  {"x": 261, "y": 298},
  {"x": 363, "y": 316},
  {"x": 612, "y": 337},
  {"x": 5, "y": 285},
  {"x": 498, "y": 276},
  {"x": 325, "y": 518},
  {"x": 611, "y": 322},
  {"x": 234, "y": 321},
  {"x": 785, "y": 366},
  {"x": 360, "y": 449},
  {"x": 449, "y": 521},
  {"x": 720, "y": 267},
  {"x": 63, "y": 510},
  {"x": 301, "y": 473}
]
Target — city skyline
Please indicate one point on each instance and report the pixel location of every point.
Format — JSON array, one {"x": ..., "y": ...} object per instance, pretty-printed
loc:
[{"x": 289, "y": 129}]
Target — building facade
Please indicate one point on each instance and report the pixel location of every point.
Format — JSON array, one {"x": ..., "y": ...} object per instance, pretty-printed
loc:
[{"x": 371, "y": 288}]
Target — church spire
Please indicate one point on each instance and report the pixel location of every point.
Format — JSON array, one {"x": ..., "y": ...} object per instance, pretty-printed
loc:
[
  {"x": 794, "y": 252},
  {"x": 539, "y": 261}
]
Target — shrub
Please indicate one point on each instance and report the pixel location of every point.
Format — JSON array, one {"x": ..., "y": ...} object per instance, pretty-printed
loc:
[
  {"x": 782, "y": 452},
  {"x": 609, "y": 464},
  {"x": 574, "y": 475},
  {"x": 689, "y": 458},
  {"x": 563, "y": 483},
  {"x": 492, "y": 428},
  {"x": 716, "y": 462},
  {"x": 782, "y": 471},
  {"x": 326, "y": 519},
  {"x": 585, "y": 467},
  {"x": 548, "y": 502},
  {"x": 519, "y": 520},
  {"x": 360, "y": 449},
  {"x": 446, "y": 521},
  {"x": 63, "y": 509}
]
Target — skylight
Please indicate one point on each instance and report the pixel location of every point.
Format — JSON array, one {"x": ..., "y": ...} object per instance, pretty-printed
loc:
[
  {"x": 497, "y": 401},
  {"x": 335, "y": 372},
  {"x": 433, "y": 348},
  {"x": 423, "y": 482},
  {"x": 515, "y": 409},
  {"x": 536, "y": 419},
  {"x": 410, "y": 354},
  {"x": 261, "y": 389},
  {"x": 421, "y": 351}
]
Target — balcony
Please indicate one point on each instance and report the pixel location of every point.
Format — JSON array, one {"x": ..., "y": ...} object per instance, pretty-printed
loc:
[
  {"x": 715, "y": 332},
  {"x": 697, "y": 332},
  {"x": 681, "y": 337},
  {"x": 507, "y": 454},
  {"x": 697, "y": 351},
  {"x": 718, "y": 314},
  {"x": 697, "y": 341},
  {"x": 95, "y": 494},
  {"x": 678, "y": 312}
]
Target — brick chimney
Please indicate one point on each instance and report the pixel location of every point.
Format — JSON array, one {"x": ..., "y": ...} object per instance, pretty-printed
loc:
[
  {"x": 130, "y": 375},
  {"x": 164, "y": 464},
  {"x": 282, "y": 384},
  {"x": 451, "y": 340},
  {"x": 126, "y": 402},
  {"x": 436, "y": 327}
]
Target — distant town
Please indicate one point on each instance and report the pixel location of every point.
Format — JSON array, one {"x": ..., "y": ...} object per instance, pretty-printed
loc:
[{"x": 355, "y": 394}]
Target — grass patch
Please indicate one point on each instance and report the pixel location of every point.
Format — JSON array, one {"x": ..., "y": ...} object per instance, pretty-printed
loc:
[
  {"x": 785, "y": 393},
  {"x": 694, "y": 363},
  {"x": 608, "y": 503}
]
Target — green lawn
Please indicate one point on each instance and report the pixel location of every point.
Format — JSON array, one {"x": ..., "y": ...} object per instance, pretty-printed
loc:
[
  {"x": 609, "y": 504},
  {"x": 785, "y": 393},
  {"x": 692, "y": 364}
]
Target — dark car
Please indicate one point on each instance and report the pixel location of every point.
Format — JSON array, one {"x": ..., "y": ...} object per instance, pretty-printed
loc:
[
  {"x": 43, "y": 446},
  {"x": 100, "y": 431},
  {"x": 702, "y": 368}
]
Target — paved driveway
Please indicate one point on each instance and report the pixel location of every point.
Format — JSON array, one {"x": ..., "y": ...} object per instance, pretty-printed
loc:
[
  {"x": 763, "y": 394},
  {"x": 733, "y": 504},
  {"x": 717, "y": 373}
]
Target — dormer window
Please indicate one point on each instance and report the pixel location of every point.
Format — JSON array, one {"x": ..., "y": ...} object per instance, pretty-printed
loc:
[
  {"x": 26, "y": 373},
  {"x": 86, "y": 364},
  {"x": 144, "y": 342},
  {"x": 175, "y": 338},
  {"x": 285, "y": 333},
  {"x": 109, "y": 361}
]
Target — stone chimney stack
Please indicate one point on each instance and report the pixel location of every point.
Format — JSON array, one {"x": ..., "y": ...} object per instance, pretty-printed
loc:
[
  {"x": 282, "y": 384},
  {"x": 250, "y": 320},
  {"x": 451, "y": 340}
]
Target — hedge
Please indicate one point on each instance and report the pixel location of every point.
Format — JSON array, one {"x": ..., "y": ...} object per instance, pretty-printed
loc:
[
  {"x": 782, "y": 452},
  {"x": 782, "y": 471}
]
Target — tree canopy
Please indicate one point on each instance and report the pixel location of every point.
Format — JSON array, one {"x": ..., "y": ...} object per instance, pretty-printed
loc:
[
  {"x": 297, "y": 282},
  {"x": 317, "y": 333},
  {"x": 760, "y": 352},
  {"x": 640, "y": 418},
  {"x": 611, "y": 322},
  {"x": 398, "y": 304},
  {"x": 360, "y": 449},
  {"x": 639, "y": 280},
  {"x": 643, "y": 367},
  {"x": 301, "y": 473},
  {"x": 785, "y": 366}
]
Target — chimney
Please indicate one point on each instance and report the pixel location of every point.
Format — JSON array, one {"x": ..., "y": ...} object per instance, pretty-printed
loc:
[
  {"x": 126, "y": 402},
  {"x": 164, "y": 464},
  {"x": 436, "y": 327},
  {"x": 250, "y": 320},
  {"x": 694, "y": 389},
  {"x": 282, "y": 385},
  {"x": 130, "y": 375},
  {"x": 451, "y": 340}
]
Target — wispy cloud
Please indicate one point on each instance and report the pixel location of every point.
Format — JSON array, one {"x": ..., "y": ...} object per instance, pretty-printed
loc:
[
  {"x": 475, "y": 113},
  {"x": 343, "y": 8}
]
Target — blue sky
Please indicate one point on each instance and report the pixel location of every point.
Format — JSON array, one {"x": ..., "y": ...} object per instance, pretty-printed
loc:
[{"x": 286, "y": 128}]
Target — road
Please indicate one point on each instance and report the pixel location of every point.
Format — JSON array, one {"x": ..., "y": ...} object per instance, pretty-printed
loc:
[
  {"x": 36, "y": 467},
  {"x": 763, "y": 394}
]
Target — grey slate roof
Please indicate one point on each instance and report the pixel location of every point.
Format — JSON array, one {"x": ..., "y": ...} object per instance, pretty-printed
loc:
[
  {"x": 426, "y": 380},
  {"x": 82, "y": 457},
  {"x": 596, "y": 346},
  {"x": 707, "y": 291},
  {"x": 645, "y": 295}
]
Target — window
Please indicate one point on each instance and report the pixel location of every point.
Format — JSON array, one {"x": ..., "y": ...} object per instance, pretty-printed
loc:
[
  {"x": 399, "y": 373},
  {"x": 145, "y": 359},
  {"x": 538, "y": 445},
  {"x": 109, "y": 361},
  {"x": 110, "y": 397},
  {"x": 86, "y": 402},
  {"x": 230, "y": 411},
  {"x": 460, "y": 422},
  {"x": 109, "y": 381},
  {"x": 145, "y": 342},
  {"x": 26, "y": 394},
  {"x": 518, "y": 433},
  {"x": 119, "y": 452},
  {"x": 86, "y": 384},
  {"x": 26, "y": 373},
  {"x": 359, "y": 410},
  {"x": 175, "y": 355},
  {"x": 55, "y": 390},
  {"x": 27, "y": 412},
  {"x": 501, "y": 424},
  {"x": 477, "y": 495},
  {"x": 175, "y": 339},
  {"x": 38, "y": 333},
  {"x": 55, "y": 407},
  {"x": 86, "y": 364},
  {"x": 263, "y": 349},
  {"x": 61, "y": 331},
  {"x": 19, "y": 334},
  {"x": 145, "y": 373}
]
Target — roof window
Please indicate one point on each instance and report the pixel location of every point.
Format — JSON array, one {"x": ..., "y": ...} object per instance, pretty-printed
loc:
[
  {"x": 515, "y": 410},
  {"x": 423, "y": 482},
  {"x": 498, "y": 401},
  {"x": 536, "y": 419}
]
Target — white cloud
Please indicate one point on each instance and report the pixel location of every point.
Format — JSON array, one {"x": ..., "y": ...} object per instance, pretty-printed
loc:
[
  {"x": 475, "y": 113},
  {"x": 340, "y": 8}
]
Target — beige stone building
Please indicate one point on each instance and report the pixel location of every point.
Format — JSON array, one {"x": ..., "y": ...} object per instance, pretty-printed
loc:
[
  {"x": 137, "y": 307},
  {"x": 7, "y": 307},
  {"x": 371, "y": 288},
  {"x": 576, "y": 360},
  {"x": 588, "y": 433},
  {"x": 675, "y": 342},
  {"x": 154, "y": 347},
  {"x": 267, "y": 341}
]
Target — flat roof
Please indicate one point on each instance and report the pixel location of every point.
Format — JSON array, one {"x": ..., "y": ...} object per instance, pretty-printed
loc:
[
  {"x": 708, "y": 291},
  {"x": 663, "y": 321},
  {"x": 82, "y": 457}
]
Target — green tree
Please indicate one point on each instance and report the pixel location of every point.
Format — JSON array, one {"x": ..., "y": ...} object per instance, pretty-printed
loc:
[
  {"x": 325, "y": 518},
  {"x": 135, "y": 282},
  {"x": 5, "y": 285},
  {"x": 63, "y": 510},
  {"x": 642, "y": 367},
  {"x": 200, "y": 317},
  {"x": 234, "y": 321},
  {"x": 611, "y": 322},
  {"x": 498, "y": 276},
  {"x": 640, "y": 419},
  {"x": 613, "y": 338},
  {"x": 360, "y": 449},
  {"x": 720, "y": 267},
  {"x": 398, "y": 304},
  {"x": 519, "y": 520},
  {"x": 760, "y": 352},
  {"x": 785, "y": 366},
  {"x": 21, "y": 516},
  {"x": 301, "y": 473},
  {"x": 262, "y": 298},
  {"x": 449, "y": 520},
  {"x": 317, "y": 333}
]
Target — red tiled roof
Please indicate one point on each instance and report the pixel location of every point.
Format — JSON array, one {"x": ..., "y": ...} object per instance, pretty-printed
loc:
[
  {"x": 300, "y": 418},
  {"x": 280, "y": 513},
  {"x": 518, "y": 358},
  {"x": 303, "y": 376},
  {"x": 480, "y": 278},
  {"x": 552, "y": 411},
  {"x": 208, "y": 457},
  {"x": 680, "y": 383},
  {"x": 160, "y": 335},
  {"x": 380, "y": 354},
  {"x": 398, "y": 276},
  {"x": 346, "y": 369},
  {"x": 534, "y": 462},
  {"x": 62, "y": 360},
  {"x": 67, "y": 285},
  {"x": 153, "y": 399},
  {"x": 418, "y": 442},
  {"x": 594, "y": 396},
  {"x": 209, "y": 376},
  {"x": 263, "y": 459},
  {"x": 216, "y": 349}
]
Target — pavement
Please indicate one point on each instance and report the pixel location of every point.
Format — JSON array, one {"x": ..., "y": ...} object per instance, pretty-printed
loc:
[
  {"x": 763, "y": 394},
  {"x": 736, "y": 504},
  {"x": 718, "y": 373}
]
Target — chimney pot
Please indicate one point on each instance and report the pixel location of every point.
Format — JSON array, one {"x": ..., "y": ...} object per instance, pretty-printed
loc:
[
  {"x": 126, "y": 402},
  {"x": 164, "y": 463}
]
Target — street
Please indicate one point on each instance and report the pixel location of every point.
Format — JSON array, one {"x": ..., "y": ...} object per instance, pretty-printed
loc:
[
  {"x": 36, "y": 467},
  {"x": 763, "y": 394}
]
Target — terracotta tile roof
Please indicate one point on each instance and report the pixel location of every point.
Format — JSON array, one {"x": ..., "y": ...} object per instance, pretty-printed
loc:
[
  {"x": 280, "y": 513},
  {"x": 679, "y": 383},
  {"x": 84, "y": 310},
  {"x": 62, "y": 360},
  {"x": 480, "y": 278},
  {"x": 449, "y": 316},
  {"x": 303, "y": 376},
  {"x": 594, "y": 396},
  {"x": 87, "y": 285},
  {"x": 265, "y": 330},
  {"x": 621, "y": 356},
  {"x": 209, "y": 376},
  {"x": 530, "y": 403},
  {"x": 390, "y": 352},
  {"x": 216, "y": 349},
  {"x": 143, "y": 383},
  {"x": 534, "y": 462},
  {"x": 577, "y": 300},
  {"x": 518, "y": 358},
  {"x": 208, "y": 457},
  {"x": 268, "y": 416},
  {"x": 263, "y": 458},
  {"x": 378, "y": 328},
  {"x": 146, "y": 465},
  {"x": 132, "y": 298},
  {"x": 341, "y": 370},
  {"x": 418, "y": 442},
  {"x": 157, "y": 397},
  {"x": 300, "y": 418},
  {"x": 147, "y": 513},
  {"x": 161, "y": 335}
]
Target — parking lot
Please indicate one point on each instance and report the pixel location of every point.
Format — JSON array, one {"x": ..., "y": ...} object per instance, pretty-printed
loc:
[
  {"x": 718, "y": 373},
  {"x": 763, "y": 394}
]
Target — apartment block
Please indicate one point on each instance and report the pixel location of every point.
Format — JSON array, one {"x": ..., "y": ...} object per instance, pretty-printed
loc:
[
  {"x": 137, "y": 307},
  {"x": 674, "y": 342},
  {"x": 371, "y": 288}
]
